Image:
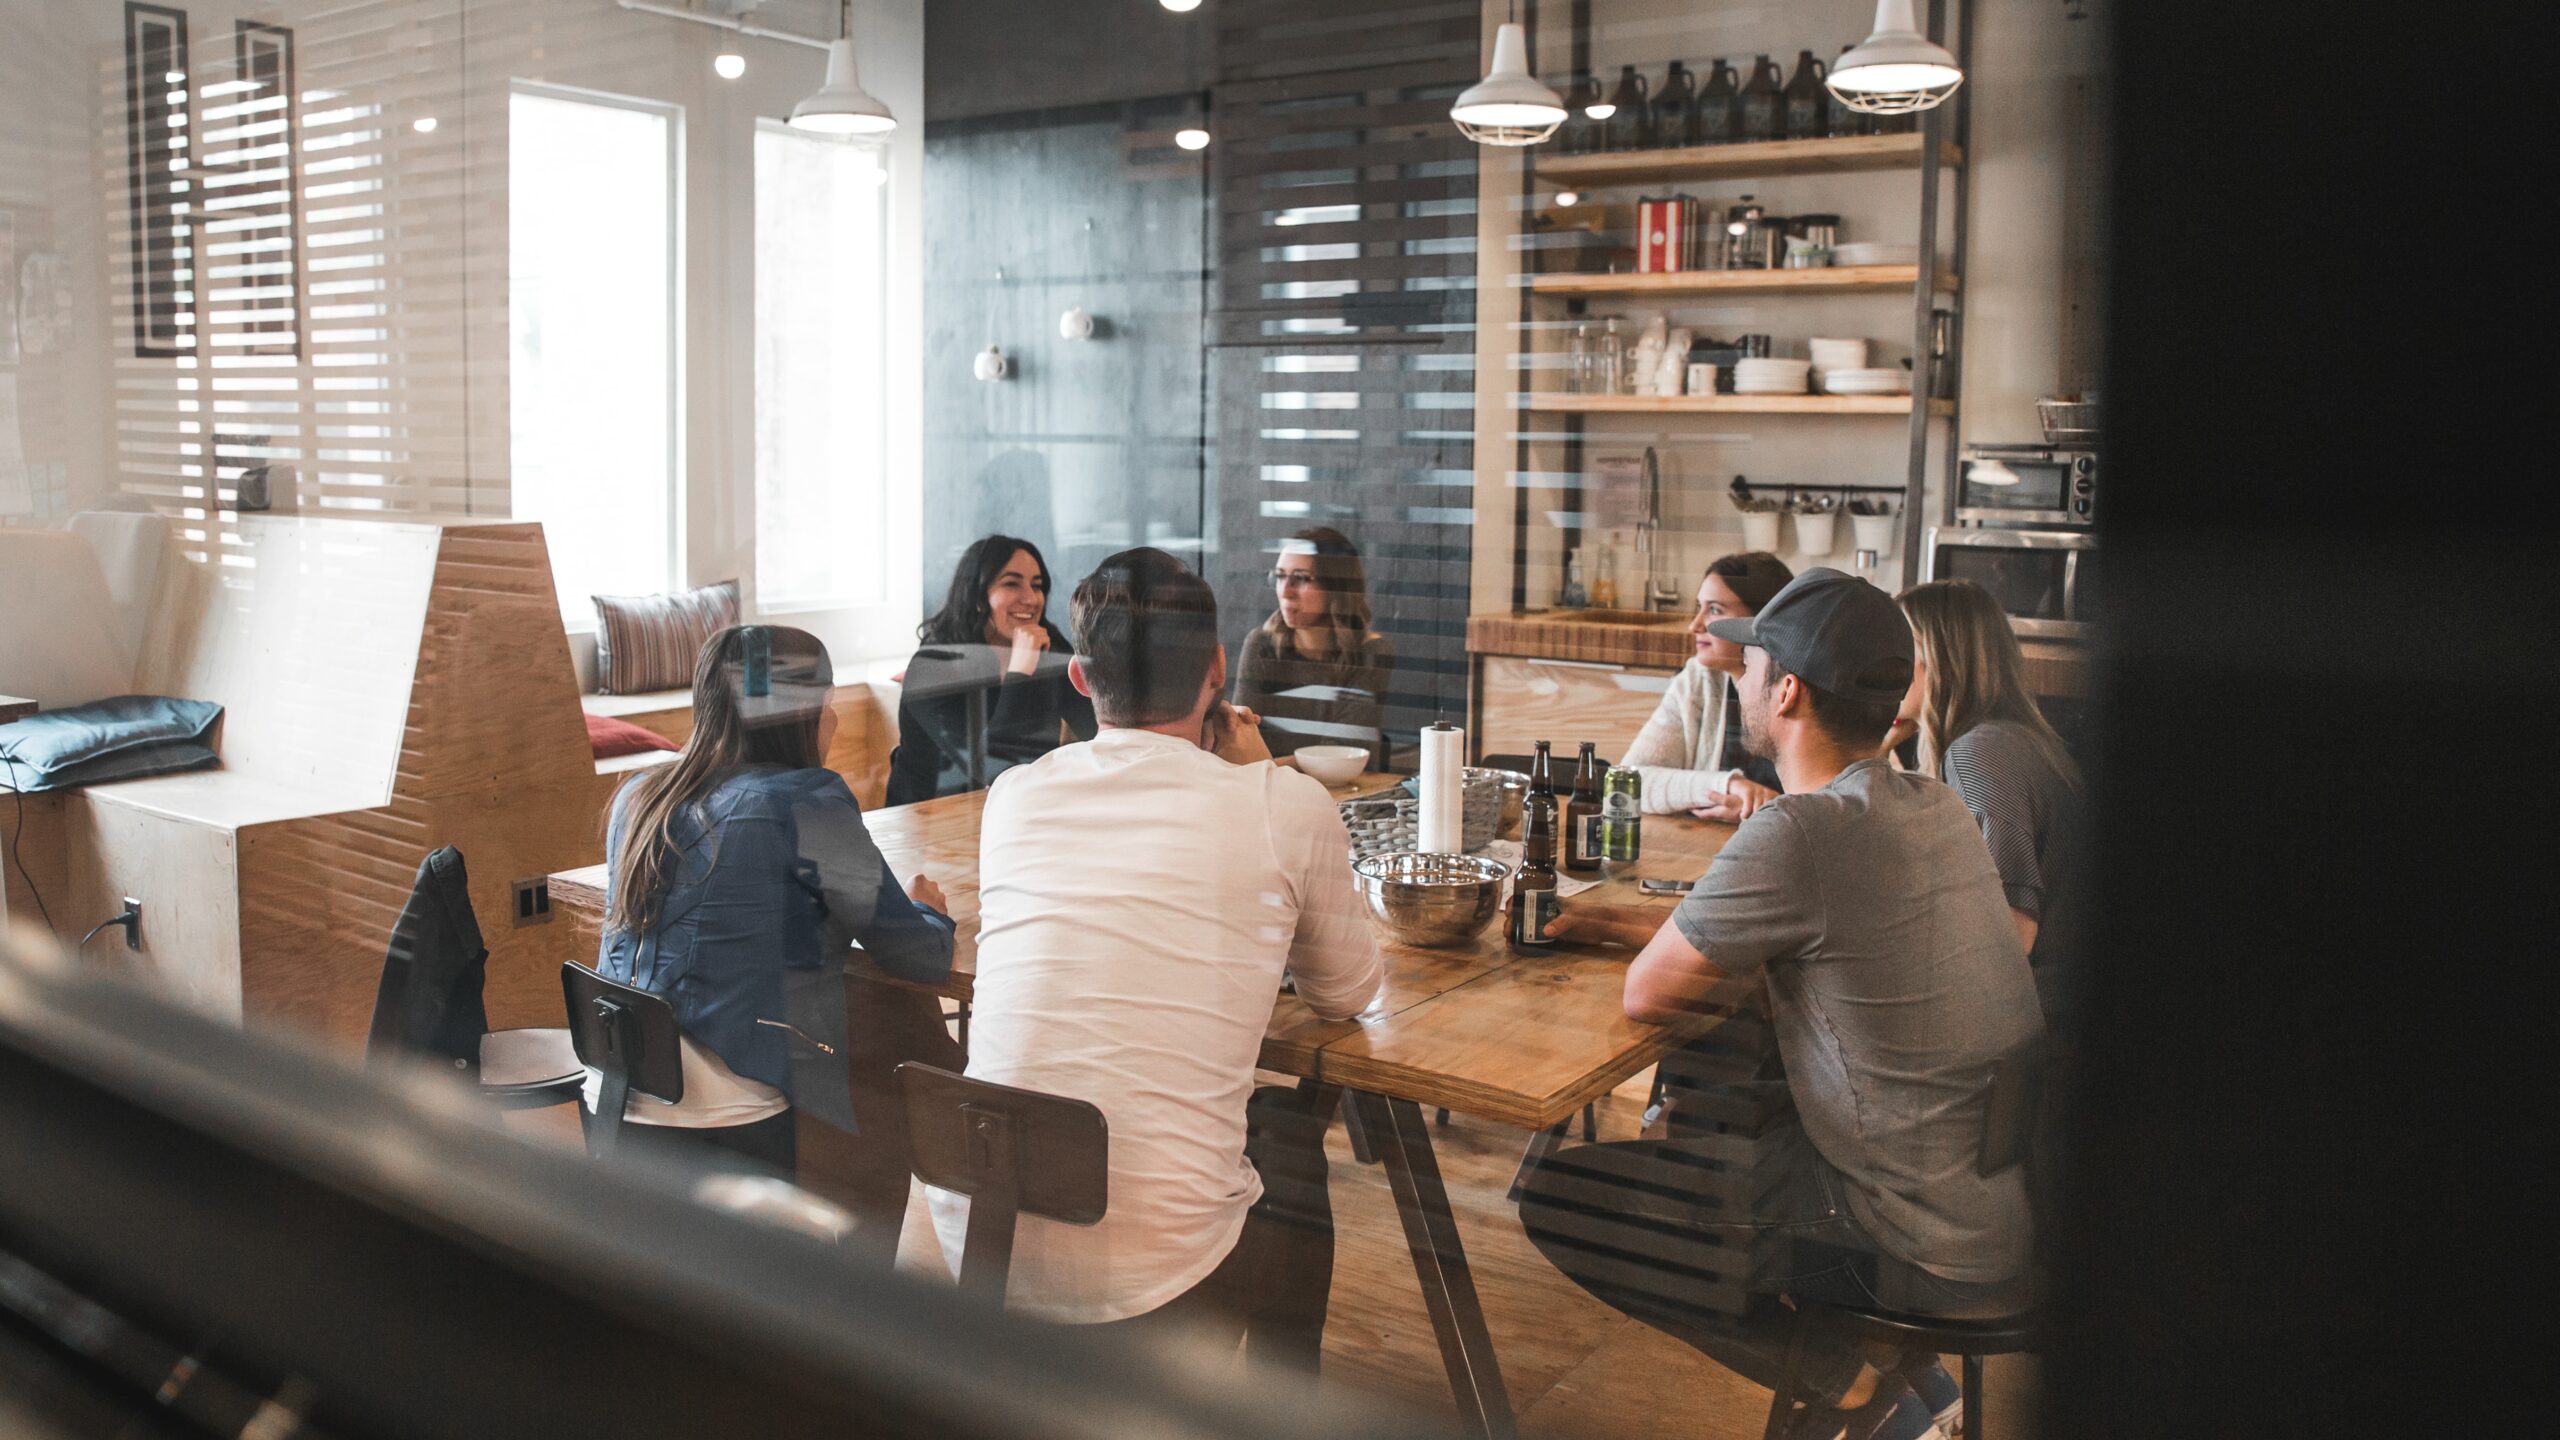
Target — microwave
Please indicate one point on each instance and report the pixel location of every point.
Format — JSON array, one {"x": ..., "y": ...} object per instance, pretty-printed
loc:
[
  {"x": 2051, "y": 582},
  {"x": 2027, "y": 485}
]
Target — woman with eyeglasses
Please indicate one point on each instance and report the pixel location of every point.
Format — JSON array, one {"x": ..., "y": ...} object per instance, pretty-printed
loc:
[
  {"x": 1315, "y": 672},
  {"x": 988, "y": 689}
]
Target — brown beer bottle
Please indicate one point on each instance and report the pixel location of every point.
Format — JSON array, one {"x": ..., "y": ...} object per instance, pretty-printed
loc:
[
  {"x": 1581, "y": 839},
  {"x": 1533, "y": 890}
]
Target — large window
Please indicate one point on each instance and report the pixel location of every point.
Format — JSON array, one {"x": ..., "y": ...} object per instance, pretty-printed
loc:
[
  {"x": 821, "y": 401},
  {"x": 592, "y": 263}
]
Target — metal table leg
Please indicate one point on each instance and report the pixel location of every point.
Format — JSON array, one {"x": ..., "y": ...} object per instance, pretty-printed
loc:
[{"x": 1403, "y": 1140}]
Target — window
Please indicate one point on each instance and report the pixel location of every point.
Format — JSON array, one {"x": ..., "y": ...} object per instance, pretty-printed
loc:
[
  {"x": 821, "y": 384},
  {"x": 592, "y": 261}
]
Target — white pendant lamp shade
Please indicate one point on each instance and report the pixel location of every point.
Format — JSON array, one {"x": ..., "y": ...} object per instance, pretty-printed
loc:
[
  {"x": 1509, "y": 106},
  {"x": 842, "y": 106},
  {"x": 1897, "y": 69}
]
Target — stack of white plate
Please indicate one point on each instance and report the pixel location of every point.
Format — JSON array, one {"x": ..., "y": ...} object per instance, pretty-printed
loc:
[
  {"x": 1770, "y": 376},
  {"x": 1886, "y": 380},
  {"x": 1868, "y": 252}
]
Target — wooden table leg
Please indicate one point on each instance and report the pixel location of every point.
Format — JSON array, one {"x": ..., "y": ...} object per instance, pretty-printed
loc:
[{"x": 1403, "y": 1140}]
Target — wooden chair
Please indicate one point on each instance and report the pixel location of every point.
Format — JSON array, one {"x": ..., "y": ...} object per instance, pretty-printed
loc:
[
  {"x": 629, "y": 1036},
  {"x": 1012, "y": 1152},
  {"x": 429, "y": 1002},
  {"x": 2016, "y": 1116}
]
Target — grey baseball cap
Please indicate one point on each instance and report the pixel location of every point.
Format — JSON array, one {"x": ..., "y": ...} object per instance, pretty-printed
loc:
[{"x": 1835, "y": 632}]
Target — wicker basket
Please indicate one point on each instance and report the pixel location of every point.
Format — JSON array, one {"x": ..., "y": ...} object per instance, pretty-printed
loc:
[
  {"x": 1384, "y": 824},
  {"x": 2068, "y": 422}
]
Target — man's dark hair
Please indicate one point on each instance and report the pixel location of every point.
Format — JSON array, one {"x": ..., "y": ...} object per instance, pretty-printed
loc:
[
  {"x": 1146, "y": 632},
  {"x": 1859, "y": 724}
]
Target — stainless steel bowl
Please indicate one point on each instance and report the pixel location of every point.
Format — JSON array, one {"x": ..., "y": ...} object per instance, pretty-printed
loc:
[{"x": 1430, "y": 899}]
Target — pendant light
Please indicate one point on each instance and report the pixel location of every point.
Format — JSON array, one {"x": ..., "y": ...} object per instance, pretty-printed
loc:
[
  {"x": 1508, "y": 107},
  {"x": 841, "y": 106},
  {"x": 1897, "y": 69}
]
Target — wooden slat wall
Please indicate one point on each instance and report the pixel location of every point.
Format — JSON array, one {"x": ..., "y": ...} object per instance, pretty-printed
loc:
[{"x": 1343, "y": 311}]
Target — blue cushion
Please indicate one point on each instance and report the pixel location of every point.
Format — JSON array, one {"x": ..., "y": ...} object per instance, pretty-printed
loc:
[{"x": 123, "y": 738}]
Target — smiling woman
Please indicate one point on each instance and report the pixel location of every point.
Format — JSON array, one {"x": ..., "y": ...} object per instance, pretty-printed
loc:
[{"x": 988, "y": 690}]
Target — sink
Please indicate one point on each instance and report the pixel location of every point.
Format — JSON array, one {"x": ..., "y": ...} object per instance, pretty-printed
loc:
[{"x": 1647, "y": 618}]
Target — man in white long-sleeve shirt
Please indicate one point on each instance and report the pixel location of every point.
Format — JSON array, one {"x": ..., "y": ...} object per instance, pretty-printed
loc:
[{"x": 1140, "y": 895}]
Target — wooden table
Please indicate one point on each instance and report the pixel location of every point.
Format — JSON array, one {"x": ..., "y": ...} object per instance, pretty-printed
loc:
[{"x": 1526, "y": 1040}]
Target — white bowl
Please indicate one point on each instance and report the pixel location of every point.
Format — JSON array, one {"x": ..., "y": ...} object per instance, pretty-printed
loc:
[{"x": 1333, "y": 764}]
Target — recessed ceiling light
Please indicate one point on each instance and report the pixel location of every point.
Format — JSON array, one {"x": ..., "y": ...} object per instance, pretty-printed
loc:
[{"x": 1180, "y": 7}]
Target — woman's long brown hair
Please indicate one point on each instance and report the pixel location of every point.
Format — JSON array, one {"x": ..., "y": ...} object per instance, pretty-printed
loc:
[
  {"x": 732, "y": 727},
  {"x": 1345, "y": 582},
  {"x": 1976, "y": 673}
]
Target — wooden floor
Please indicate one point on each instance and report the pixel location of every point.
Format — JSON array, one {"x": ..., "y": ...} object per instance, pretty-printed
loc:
[{"x": 1575, "y": 1367}]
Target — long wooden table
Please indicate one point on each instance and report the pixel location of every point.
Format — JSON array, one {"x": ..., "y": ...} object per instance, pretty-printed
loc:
[{"x": 1526, "y": 1040}]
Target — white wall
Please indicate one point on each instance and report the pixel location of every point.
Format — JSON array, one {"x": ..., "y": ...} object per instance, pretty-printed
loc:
[{"x": 62, "y": 184}]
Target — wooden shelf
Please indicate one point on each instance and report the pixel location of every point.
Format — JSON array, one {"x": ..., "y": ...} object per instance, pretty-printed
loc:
[
  {"x": 1552, "y": 403},
  {"x": 1757, "y": 157},
  {"x": 1739, "y": 282}
]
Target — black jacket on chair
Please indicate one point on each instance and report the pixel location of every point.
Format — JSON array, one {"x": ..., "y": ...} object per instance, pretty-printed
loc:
[{"x": 429, "y": 1003}]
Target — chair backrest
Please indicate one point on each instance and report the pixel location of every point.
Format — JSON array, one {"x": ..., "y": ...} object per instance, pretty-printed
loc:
[
  {"x": 624, "y": 1032},
  {"x": 433, "y": 972},
  {"x": 1011, "y": 1151}
]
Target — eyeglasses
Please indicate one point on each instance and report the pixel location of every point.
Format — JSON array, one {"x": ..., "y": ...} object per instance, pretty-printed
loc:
[{"x": 1292, "y": 578}]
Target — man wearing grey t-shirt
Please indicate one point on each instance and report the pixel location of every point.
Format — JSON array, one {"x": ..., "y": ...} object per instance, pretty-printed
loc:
[{"x": 1864, "y": 905}]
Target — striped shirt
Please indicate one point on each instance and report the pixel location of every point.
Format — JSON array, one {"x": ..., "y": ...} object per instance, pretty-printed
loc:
[{"x": 2030, "y": 814}]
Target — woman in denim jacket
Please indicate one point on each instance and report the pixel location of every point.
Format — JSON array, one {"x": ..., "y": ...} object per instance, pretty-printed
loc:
[{"x": 737, "y": 875}]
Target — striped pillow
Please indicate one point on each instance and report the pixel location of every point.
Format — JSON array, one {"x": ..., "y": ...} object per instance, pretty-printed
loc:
[{"x": 649, "y": 642}]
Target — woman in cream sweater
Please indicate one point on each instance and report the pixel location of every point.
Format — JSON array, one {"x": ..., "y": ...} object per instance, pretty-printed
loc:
[{"x": 1690, "y": 751}]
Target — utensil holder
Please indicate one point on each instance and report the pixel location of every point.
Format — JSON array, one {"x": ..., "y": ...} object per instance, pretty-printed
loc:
[
  {"x": 1872, "y": 532},
  {"x": 1760, "y": 530},
  {"x": 1814, "y": 533}
]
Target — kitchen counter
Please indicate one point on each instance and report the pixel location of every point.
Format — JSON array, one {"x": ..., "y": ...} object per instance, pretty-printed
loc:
[
  {"x": 1661, "y": 642},
  {"x": 1654, "y": 640}
]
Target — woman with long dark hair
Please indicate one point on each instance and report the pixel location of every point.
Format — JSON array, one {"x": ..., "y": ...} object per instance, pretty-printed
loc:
[
  {"x": 988, "y": 689},
  {"x": 1314, "y": 671},
  {"x": 1981, "y": 731},
  {"x": 1690, "y": 752},
  {"x": 736, "y": 876}
]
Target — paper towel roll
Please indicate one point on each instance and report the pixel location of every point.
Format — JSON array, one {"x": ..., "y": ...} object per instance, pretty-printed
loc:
[{"x": 1442, "y": 819}]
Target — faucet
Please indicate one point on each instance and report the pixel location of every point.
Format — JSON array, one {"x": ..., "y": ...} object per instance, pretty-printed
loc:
[{"x": 1658, "y": 592}]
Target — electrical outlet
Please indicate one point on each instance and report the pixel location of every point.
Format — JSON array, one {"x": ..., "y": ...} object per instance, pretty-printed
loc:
[
  {"x": 533, "y": 901},
  {"x": 133, "y": 930}
]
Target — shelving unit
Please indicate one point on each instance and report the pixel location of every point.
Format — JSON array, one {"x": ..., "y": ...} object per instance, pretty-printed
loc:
[
  {"x": 1756, "y": 157},
  {"x": 1934, "y": 151},
  {"x": 1741, "y": 282},
  {"x": 1558, "y": 403}
]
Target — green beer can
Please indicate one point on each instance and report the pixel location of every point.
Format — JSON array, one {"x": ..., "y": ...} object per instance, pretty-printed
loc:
[{"x": 1621, "y": 818}]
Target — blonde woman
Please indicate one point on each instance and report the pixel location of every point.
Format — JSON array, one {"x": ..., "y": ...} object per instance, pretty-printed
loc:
[
  {"x": 1690, "y": 751},
  {"x": 1980, "y": 730}
]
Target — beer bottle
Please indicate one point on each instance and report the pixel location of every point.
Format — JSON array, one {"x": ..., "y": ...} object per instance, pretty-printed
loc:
[
  {"x": 1542, "y": 780},
  {"x": 1533, "y": 890},
  {"x": 1581, "y": 839}
]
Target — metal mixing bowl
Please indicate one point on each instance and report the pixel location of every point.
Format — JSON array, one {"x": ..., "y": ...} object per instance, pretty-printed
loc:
[{"x": 1430, "y": 899}]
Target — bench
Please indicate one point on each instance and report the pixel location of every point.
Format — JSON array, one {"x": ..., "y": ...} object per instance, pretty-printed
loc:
[
  {"x": 866, "y": 732},
  {"x": 389, "y": 686}
]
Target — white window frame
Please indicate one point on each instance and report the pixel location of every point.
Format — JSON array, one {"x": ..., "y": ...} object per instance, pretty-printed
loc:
[{"x": 678, "y": 487}]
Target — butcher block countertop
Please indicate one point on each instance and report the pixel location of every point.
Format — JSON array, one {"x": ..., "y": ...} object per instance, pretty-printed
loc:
[{"x": 1657, "y": 641}]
